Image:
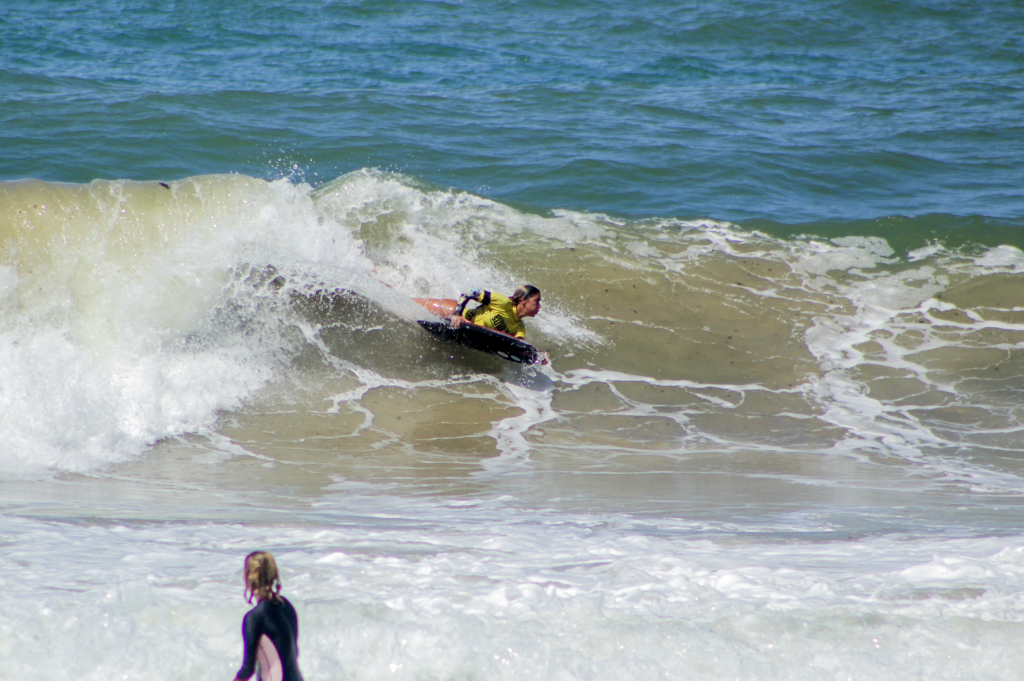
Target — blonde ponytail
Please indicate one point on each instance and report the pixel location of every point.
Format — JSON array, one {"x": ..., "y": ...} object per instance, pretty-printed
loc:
[{"x": 261, "y": 578}]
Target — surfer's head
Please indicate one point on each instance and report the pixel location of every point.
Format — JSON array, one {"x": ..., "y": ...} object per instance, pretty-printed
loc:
[
  {"x": 527, "y": 300},
  {"x": 261, "y": 578}
]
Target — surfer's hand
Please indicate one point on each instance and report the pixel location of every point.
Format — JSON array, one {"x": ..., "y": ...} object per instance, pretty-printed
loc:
[
  {"x": 457, "y": 321},
  {"x": 544, "y": 359}
]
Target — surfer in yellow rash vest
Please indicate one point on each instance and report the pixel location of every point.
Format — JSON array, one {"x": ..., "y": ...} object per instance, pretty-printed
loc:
[
  {"x": 498, "y": 312},
  {"x": 503, "y": 314}
]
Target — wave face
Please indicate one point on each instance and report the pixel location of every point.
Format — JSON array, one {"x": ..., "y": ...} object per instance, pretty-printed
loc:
[{"x": 136, "y": 312}]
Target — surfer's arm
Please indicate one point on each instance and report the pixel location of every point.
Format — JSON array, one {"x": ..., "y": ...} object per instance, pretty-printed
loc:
[
  {"x": 293, "y": 617},
  {"x": 456, "y": 318},
  {"x": 250, "y": 639}
]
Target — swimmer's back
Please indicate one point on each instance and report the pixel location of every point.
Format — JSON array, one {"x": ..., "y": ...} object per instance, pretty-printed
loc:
[{"x": 273, "y": 620}]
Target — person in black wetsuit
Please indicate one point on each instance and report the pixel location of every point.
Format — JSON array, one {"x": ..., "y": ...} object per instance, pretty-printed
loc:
[{"x": 271, "y": 629}]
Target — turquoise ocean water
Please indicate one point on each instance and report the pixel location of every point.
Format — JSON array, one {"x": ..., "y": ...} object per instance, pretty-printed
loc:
[
  {"x": 780, "y": 248},
  {"x": 844, "y": 110}
]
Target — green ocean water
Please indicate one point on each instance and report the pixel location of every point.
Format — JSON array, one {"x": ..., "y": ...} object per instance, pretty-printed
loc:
[{"x": 843, "y": 111}]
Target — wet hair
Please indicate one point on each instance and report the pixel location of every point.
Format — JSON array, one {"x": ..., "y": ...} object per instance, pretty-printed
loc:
[
  {"x": 524, "y": 292},
  {"x": 261, "y": 578}
]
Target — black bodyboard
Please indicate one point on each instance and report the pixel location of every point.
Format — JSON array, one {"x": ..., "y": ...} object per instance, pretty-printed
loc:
[{"x": 484, "y": 340}]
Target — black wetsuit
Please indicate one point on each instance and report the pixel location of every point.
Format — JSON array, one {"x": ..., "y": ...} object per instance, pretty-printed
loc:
[{"x": 276, "y": 619}]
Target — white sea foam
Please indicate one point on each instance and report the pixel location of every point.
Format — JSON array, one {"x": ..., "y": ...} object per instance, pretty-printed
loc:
[
  {"x": 887, "y": 329},
  {"x": 1003, "y": 257},
  {"x": 111, "y": 349},
  {"x": 485, "y": 590}
]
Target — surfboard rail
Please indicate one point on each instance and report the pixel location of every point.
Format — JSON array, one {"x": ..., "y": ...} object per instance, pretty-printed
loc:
[{"x": 485, "y": 340}]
